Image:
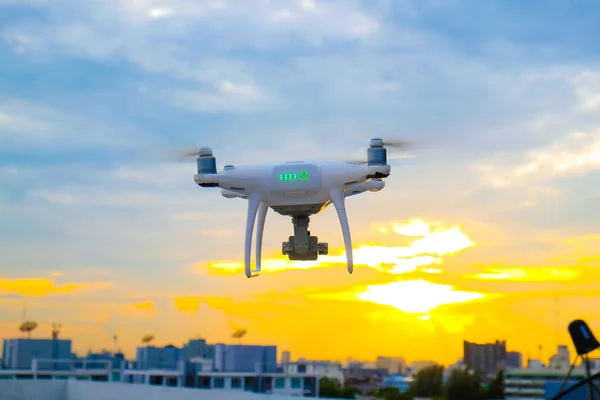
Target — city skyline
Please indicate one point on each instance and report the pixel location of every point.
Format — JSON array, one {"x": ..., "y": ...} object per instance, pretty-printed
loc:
[{"x": 489, "y": 232}]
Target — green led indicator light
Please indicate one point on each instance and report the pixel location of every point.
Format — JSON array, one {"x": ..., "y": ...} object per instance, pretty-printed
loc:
[{"x": 303, "y": 176}]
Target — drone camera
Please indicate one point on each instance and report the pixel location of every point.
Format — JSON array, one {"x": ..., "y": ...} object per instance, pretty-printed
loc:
[{"x": 315, "y": 249}]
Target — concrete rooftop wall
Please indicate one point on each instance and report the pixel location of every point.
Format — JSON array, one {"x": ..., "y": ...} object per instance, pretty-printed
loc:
[
  {"x": 32, "y": 390},
  {"x": 87, "y": 390}
]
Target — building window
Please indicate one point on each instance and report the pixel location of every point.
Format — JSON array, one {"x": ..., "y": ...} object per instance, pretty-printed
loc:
[
  {"x": 236, "y": 383},
  {"x": 172, "y": 381},
  {"x": 218, "y": 383},
  {"x": 279, "y": 383},
  {"x": 296, "y": 383}
]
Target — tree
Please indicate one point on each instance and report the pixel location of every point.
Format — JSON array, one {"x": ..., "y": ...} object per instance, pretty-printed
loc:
[
  {"x": 329, "y": 387},
  {"x": 392, "y": 393},
  {"x": 332, "y": 388},
  {"x": 464, "y": 385},
  {"x": 496, "y": 388},
  {"x": 428, "y": 382}
]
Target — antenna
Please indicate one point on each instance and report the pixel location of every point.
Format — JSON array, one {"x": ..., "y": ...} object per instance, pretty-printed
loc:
[
  {"x": 24, "y": 317},
  {"x": 557, "y": 310},
  {"x": 56, "y": 331},
  {"x": 115, "y": 342}
]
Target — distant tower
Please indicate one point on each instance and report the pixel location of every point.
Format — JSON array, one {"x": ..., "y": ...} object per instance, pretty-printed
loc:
[
  {"x": 286, "y": 357},
  {"x": 115, "y": 343},
  {"x": 56, "y": 331}
]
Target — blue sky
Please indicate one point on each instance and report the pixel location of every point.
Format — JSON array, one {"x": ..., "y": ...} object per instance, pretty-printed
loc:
[
  {"x": 88, "y": 87},
  {"x": 503, "y": 95}
]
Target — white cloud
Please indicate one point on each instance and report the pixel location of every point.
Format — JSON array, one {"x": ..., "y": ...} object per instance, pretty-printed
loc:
[
  {"x": 25, "y": 123},
  {"x": 576, "y": 153},
  {"x": 228, "y": 97},
  {"x": 587, "y": 88}
]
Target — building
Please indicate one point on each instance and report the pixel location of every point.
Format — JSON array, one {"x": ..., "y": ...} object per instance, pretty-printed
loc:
[
  {"x": 318, "y": 368},
  {"x": 198, "y": 348},
  {"x": 486, "y": 358},
  {"x": 18, "y": 354},
  {"x": 416, "y": 366},
  {"x": 99, "y": 359},
  {"x": 245, "y": 358},
  {"x": 532, "y": 384},
  {"x": 151, "y": 357},
  {"x": 184, "y": 376},
  {"x": 394, "y": 365},
  {"x": 276, "y": 383},
  {"x": 399, "y": 381},
  {"x": 74, "y": 389},
  {"x": 514, "y": 360},
  {"x": 61, "y": 369},
  {"x": 561, "y": 360},
  {"x": 286, "y": 357},
  {"x": 534, "y": 364},
  {"x": 363, "y": 377}
]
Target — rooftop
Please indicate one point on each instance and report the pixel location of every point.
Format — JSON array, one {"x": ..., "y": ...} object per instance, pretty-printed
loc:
[{"x": 72, "y": 389}]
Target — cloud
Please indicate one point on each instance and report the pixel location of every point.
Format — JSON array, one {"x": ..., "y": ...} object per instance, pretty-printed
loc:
[
  {"x": 44, "y": 287},
  {"x": 27, "y": 124},
  {"x": 576, "y": 153},
  {"x": 410, "y": 296},
  {"x": 144, "y": 309},
  {"x": 157, "y": 39},
  {"x": 424, "y": 251},
  {"x": 531, "y": 274},
  {"x": 587, "y": 88},
  {"x": 187, "y": 303},
  {"x": 260, "y": 81}
]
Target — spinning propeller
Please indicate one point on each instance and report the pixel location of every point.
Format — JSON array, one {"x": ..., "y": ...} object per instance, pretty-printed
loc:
[{"x": 392, "y": 146}]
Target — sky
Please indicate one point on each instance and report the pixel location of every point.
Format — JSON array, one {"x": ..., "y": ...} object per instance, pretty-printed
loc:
[{"x": 490, "y": 231}]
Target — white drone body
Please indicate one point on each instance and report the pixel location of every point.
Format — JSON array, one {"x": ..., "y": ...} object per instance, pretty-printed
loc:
[{"x": 297, "y": 189}]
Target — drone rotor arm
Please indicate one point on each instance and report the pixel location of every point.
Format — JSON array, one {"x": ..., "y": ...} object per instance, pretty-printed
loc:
[
  {"x": 373, "y": 185},
  {"x": 337, "y": 198},
  {"x": 230, "y": 194},
  {"x": 207, "y": 180}
]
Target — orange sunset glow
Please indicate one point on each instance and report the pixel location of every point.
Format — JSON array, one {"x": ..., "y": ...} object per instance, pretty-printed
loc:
[{"x": 421, "y": 295}]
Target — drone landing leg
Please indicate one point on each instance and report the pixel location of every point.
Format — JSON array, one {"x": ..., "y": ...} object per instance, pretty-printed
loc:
[
  {"x": 337, "y": 198},
  {"x": 253, "y": 205},
  {"x": 260, "y": 228}
]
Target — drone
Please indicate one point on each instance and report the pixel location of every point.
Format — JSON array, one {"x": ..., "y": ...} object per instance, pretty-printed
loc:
[{"x": 298, "y": 189}]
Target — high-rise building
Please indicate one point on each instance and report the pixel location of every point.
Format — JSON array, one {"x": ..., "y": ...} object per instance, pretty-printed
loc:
[
  {"x": 562, "y": 358},
  {"x": 198, "y": 348},
  {"x": 286, "y": 357},
  {"x": 514, "y": 360},
  {"x": 151, "y": 357},
  {"x": 245, "y": 358},
  {"x": 486, "y": 358},
  {"x": 19, "y": 353}
]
